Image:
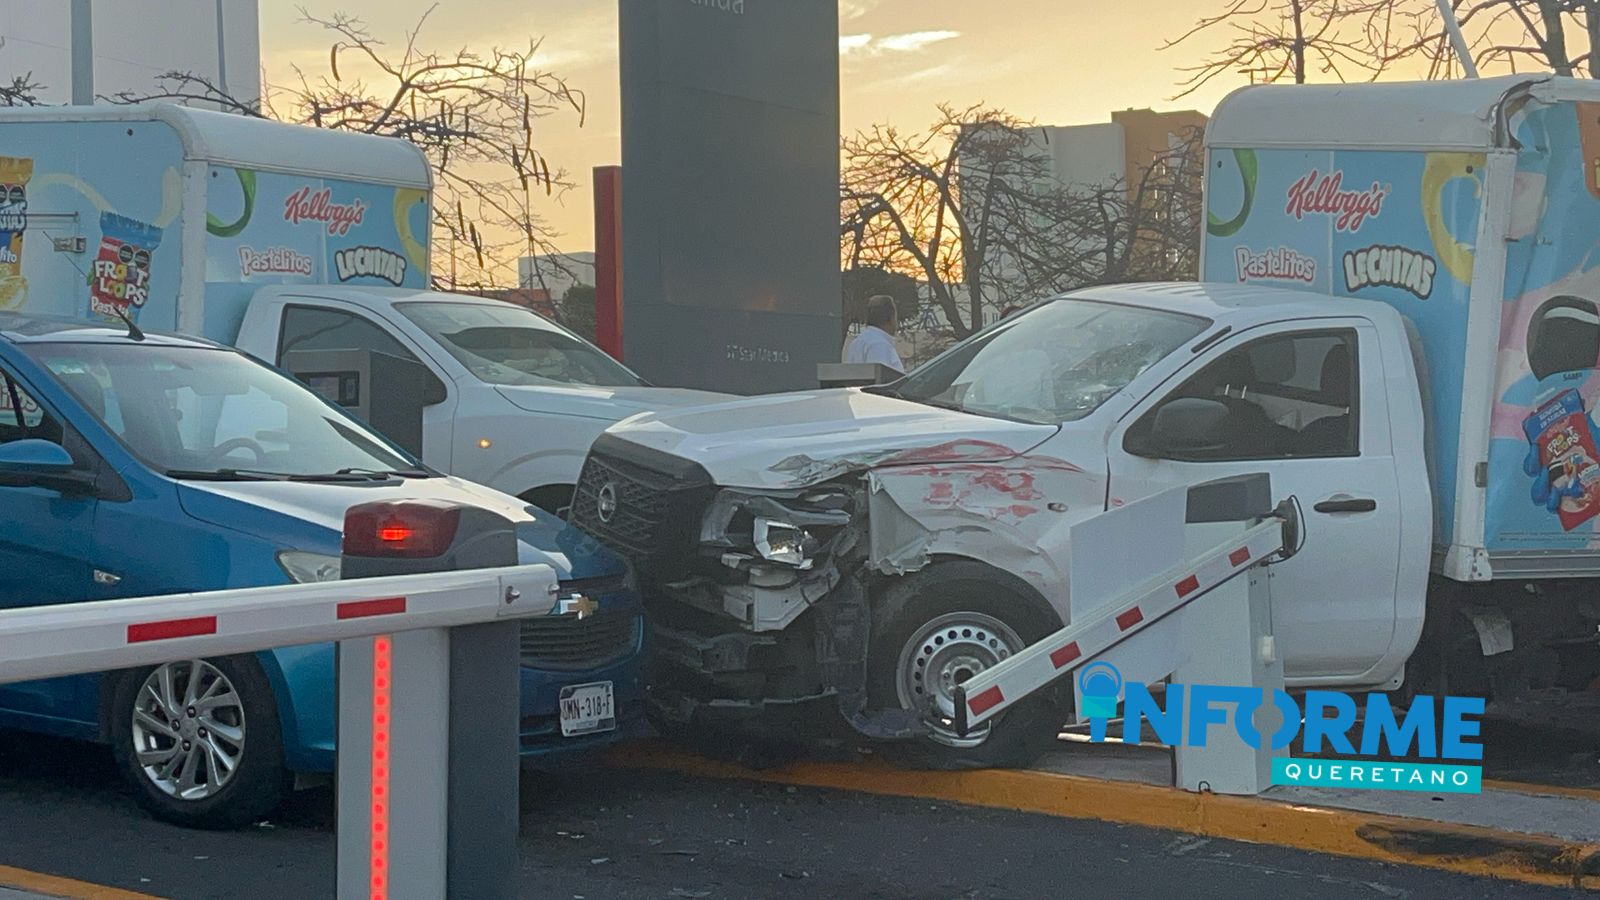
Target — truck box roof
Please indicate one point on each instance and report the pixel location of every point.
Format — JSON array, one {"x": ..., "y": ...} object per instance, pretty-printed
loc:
[
  {"x": 1463, "y": 114},
  {"x": 257, "y": 143}
]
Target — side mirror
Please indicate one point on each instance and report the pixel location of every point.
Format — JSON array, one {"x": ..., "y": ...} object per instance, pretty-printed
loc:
[
  {"x": 39, "y": 463},
  {"x": 1186, "y": 426}
]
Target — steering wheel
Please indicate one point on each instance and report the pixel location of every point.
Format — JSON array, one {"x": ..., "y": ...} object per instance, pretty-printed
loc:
[{"x": 239, "y": 443}]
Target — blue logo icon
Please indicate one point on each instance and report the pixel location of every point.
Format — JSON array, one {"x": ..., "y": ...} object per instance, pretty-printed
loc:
[{"x": 1099, "y": 683}]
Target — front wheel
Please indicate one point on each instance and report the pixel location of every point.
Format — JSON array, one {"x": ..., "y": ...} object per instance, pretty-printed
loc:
[
  {"x": 936, "y": 629},
  {"x": 199, "y": 741}
]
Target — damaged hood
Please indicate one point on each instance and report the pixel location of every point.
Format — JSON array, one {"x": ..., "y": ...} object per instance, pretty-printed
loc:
[{"x": 791, "y": 440}]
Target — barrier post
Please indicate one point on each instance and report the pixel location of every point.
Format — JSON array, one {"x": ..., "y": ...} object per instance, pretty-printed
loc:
[
  {"x": 1234, "y": 628},
  {"x": 423, "y": 811}
]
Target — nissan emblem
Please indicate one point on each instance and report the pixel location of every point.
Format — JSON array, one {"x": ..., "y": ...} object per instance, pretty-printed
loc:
[{"x": 605, "y": 505}]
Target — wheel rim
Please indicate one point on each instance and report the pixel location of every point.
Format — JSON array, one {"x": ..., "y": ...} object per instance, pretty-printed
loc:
[
  {"x": 188, "y": 729},
  {"x": 944, "y": 653}
]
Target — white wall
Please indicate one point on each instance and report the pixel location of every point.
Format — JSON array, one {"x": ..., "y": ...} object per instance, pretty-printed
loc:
[
  {"x": 134, "y": 41},
  {"x": 1087, "y": 156},
  {"x": 557, "y": 272}
]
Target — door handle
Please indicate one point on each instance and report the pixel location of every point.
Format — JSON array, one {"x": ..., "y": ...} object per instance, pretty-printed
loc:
[{"x": 1347, "y": 505}]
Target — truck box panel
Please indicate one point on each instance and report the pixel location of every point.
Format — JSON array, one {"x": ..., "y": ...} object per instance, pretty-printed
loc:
[
  {"x": 1512, "y": 457},
  {"x": 99, "y": 182}
]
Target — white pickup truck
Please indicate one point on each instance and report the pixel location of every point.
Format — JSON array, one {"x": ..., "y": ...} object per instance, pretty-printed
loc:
[
  {"x": 308, "y": 249},
  {"x": 1399, "y": 324}
]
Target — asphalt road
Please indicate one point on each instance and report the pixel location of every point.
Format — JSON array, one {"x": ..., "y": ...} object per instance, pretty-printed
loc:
[{"x": 624, "y": 835}]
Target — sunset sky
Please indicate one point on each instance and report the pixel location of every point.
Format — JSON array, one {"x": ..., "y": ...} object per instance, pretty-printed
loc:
[{"x": 1046, "y": 60}]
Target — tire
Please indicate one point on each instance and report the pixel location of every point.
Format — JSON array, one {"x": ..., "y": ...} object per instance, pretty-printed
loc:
[
  {"x": 247, "y": 713},
  {"x": 952, "y": 617}
]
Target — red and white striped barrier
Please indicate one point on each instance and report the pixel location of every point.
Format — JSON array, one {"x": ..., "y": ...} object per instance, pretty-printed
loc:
[
  {"x": 992, "y": 691},
  {"x": 98, "y": 636}
]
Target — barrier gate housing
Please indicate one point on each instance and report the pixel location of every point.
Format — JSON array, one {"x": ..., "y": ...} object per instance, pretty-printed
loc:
[{"x": 1171, "y": 587}]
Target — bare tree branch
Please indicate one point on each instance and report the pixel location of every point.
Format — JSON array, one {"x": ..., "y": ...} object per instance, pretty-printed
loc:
[
  {"x": 1276, "y": 40},
  {"x": 972, "y": 209}
]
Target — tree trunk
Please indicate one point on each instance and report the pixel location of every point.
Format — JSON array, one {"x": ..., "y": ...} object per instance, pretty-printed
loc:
[
  {"x": 1555, "y": 37},
  {"x": 1299, "y": 49},
  {"x": 1591, "y": 20}
]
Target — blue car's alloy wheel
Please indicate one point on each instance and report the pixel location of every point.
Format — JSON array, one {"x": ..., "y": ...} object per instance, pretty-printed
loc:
[
  {"x": 189, "y": 729},
  {"x": 199, "y": 741}
]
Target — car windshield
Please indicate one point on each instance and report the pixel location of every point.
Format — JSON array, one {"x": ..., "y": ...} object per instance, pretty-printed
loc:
[
  {"x": 197, "y": 412},
  {"x": 1052, "y": 363},
  {"x": 505, "y": 344}
]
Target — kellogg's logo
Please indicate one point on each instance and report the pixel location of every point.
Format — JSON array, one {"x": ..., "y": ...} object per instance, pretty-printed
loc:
[
  {"x": 305, "y": 206},
  {"x": 1324, "y": 194}
]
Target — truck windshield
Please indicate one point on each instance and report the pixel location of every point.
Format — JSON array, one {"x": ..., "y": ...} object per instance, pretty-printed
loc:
[
  {"x": 505, "y": 344},
  {"x": 1052, "y": 363},
  {"x": 196, "y": 412}
]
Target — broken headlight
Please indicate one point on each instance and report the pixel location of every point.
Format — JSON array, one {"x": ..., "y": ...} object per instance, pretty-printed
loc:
[
  {"x": 787, "y": 529},
  {"x": 781, "y": 542}
]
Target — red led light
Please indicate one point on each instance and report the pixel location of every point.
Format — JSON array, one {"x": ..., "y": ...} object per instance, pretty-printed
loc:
[
  {"x": 382, "y": 649},
  {"x": 419, "y": 529}
]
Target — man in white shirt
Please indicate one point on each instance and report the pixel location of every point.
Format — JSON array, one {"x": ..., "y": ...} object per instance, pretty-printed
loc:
[{"x": 875, "y": 343}]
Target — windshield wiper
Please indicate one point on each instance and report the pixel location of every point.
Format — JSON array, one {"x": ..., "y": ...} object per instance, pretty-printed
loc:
[
  {"x": 224, "y": 475},
  {"x": 386, "y": 473},
  {"x": 260, "y": 475}
]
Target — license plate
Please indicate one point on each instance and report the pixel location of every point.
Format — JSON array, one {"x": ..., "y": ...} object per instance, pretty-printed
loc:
[{"x": 587, "y": 709}]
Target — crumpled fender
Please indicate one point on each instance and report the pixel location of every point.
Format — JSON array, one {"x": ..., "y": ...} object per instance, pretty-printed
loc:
[{"x": 1015, "y": 514}]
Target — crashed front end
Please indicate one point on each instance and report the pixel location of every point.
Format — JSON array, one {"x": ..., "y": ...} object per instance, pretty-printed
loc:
[{"x": 759, "y": 599}]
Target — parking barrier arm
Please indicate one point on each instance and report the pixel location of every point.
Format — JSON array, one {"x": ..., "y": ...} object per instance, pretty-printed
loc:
[
  {"x": 997, "y": 688},
  {"x": 97, "y": 636}
]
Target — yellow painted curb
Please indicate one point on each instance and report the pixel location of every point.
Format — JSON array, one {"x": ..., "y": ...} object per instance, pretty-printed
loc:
[
  {"x": 1465, "y": 849},
  {"x": 65, "y": 888}
]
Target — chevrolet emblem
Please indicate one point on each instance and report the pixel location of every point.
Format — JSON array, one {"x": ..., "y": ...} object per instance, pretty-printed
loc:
[{"x": 580, "y": 604}]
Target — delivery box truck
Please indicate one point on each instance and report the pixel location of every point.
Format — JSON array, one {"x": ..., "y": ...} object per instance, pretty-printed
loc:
[
  {"x": 1398, "y": 321},
  {"x": 309, "y": 249}
]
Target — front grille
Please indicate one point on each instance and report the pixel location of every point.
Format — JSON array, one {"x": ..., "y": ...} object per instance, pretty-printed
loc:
[
  {"x": 567, "y": 643},
  {"x": 641, "y": 498},
  {"x": 659, "y": 500}
]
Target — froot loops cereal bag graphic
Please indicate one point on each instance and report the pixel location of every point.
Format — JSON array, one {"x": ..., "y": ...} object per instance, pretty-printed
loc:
[
  {"x": 14, "y": 175},
  {"x": 119, "y": 281},
  {"x": 1563, "y": 460}
]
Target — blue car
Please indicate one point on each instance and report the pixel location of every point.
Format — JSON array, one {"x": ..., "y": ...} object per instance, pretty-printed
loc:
[{"x": 140, "y": 464}]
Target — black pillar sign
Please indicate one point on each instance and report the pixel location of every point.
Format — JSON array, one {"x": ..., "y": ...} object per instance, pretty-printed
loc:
[{"x": 730, "y": 212}]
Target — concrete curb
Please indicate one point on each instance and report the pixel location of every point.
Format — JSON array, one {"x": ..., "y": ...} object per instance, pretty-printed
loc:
[
  {"x": 1467, "y": 849},
  {"x": 39, "y": 884}
]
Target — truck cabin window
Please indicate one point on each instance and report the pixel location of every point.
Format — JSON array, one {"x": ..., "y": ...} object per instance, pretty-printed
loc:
[
  {"x": 1286, "y": 397},
  {"x": 505, "y": 344},
  {"x": 314, "y": 328},
  {"x": 1052, "y": 363},
  {"x": 1564, "y": 336},
  {"x": 196, "y": 412}
]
